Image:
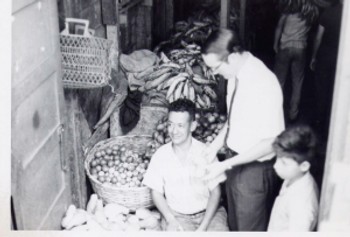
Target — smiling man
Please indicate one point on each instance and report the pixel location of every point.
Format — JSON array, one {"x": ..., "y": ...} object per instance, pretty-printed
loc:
[{"x": 186, "y": 202}]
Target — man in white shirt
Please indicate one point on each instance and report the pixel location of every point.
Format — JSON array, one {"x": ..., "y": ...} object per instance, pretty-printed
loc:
[
  {"x": 255, "y": 106},
  {"x": 186, "y": 201}
]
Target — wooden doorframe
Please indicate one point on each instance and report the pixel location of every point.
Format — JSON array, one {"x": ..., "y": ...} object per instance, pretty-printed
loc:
[{"x": 335, "y": 197}]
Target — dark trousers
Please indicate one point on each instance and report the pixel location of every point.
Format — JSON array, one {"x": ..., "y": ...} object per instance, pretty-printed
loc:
[
  {"x": 251, "y": 190},
  {"x": 291, "y": 61}
]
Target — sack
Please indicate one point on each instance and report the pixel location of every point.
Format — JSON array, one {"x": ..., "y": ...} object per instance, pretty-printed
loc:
[{"x": 138, "y": 60}]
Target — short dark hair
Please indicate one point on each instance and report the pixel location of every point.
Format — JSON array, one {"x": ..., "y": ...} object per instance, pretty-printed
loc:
[
  {"x": 222, "y": 42},
  {"x": 183, "y": 105},
  {"x": 297, "y": 142}
]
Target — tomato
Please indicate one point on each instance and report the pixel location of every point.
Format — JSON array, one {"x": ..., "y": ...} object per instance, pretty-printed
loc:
[
  {"x": 130, "y": 159},
  {"x": 103, "y": 162},
  {"x": 101, "y": 173},
  {"x": 98, "y": 154},
  {"x": 123, "y": 158},
  {"x": 101, "y": 179},
  {"x": 93, "y": 171},
  {"x": 114, "y": 180},
  {"x": 108, "y": 151},
  {"x": 103, "y": 153},
  {"x": 110, "y": 163},
  {"x": 105, "y": 168},
  {"x": 98, "y": 167},
  {"x": 93, "y": 163}
]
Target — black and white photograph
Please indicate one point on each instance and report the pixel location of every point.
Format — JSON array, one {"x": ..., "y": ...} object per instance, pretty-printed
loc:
[{"x": 182, "y": 116}]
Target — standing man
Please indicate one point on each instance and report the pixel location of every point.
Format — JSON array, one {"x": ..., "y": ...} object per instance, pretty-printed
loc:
[
  {"x": 186, "y": 201},
  {"x": 255, "y": 106}
]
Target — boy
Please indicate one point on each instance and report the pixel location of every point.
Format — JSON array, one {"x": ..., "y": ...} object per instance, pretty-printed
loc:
[
  {"x": 296, "y": 207},
  {"x": 185, "y": 201}
]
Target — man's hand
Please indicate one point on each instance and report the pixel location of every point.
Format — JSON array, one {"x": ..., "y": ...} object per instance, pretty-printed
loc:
[
  {"x": 209, "y": 153},
  {"x": 214, "y": 170},
  {"x": 174, "y": 225},
  {"x": 201, "y": 228}
]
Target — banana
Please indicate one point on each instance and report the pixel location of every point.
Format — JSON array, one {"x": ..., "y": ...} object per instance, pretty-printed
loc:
[
  {"x": 154, "y": 83},
  {"x": 191, "y": 92},
  {"x": 210, "y": 92},
  {"x": 207, "y": 100},
  {"x": 198, "y": 89},
  {"x": 142, "y": 75},
  {"x": 185, "y": 90},
  {"x": 170, "y": 65},
  {"x": 174, "y": 84},
  {"x": 170, "y": 81},
  {"x": 200, "y": 101},
  {"x": 156, "y": 74},
  {"x": 202, "y": 81},
  {"x": 178, "y": 90},
  {"x": 170, "y": 98}
]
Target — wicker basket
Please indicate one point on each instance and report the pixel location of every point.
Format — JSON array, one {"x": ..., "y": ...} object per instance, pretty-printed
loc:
[
  {"x": 132, "y": 198},
  {"x": 85, "y": 58}
]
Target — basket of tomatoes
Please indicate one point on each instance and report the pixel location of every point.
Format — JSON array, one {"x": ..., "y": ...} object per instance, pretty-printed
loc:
[{"x": 116, "y": 167}]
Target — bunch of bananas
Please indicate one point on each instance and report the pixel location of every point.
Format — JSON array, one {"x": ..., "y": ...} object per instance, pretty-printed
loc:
[{"x": 174, "y": 78}]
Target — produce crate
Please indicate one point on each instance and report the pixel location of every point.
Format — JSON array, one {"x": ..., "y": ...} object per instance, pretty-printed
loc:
[{"x": 131, "y": 197}]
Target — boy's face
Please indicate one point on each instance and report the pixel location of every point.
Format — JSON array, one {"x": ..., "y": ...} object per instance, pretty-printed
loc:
[
  {"x": 180, "y": 127},
  {"x": 288, "y": 169}
]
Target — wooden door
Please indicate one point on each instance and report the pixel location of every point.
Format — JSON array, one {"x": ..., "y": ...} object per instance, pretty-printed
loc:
[
  {"x": 40, "y": 185},
  {"x": 335, "y": 196}
]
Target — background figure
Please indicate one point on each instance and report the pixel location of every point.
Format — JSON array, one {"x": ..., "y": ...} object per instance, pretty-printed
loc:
[
  {"x": 297, "y": 17},
  {"x": 324, "y": 61}
]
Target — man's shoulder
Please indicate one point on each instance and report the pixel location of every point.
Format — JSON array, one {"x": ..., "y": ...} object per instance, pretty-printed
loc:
[
  {"x": 162, "y": 150},
  {"x": 198, "y": 144}
]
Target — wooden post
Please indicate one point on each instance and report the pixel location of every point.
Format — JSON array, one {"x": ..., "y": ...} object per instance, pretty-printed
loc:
[
  {"x": 225, "y": 13},
  {"x": 110, "y": 16},
  {"x": 242, "y": 16}
]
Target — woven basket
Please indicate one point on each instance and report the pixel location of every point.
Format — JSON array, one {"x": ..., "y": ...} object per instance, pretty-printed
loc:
[
  {"x": 132, "y": 198},
  {"x": 85, "y": 59}
]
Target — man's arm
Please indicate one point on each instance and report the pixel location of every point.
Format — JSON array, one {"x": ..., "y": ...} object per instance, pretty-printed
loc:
[
  {"x": 278, "y": 32},
  {"x": 261, "y": 149},
  {"x": 211, "y": 151},
  {"x": 162, "y": 206},
  {"x": 316, "y": 46},
  {"x": 212, "y": 207}
]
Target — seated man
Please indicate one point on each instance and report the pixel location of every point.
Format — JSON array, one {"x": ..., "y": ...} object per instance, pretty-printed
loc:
[{"x": 186, "y": 202}]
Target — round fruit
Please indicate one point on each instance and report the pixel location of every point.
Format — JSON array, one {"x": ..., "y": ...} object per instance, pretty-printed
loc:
[
  {"x": 98, "y": 167},
  {"x": 110, "y": 163},
  {"x": 98, "y": 154}
]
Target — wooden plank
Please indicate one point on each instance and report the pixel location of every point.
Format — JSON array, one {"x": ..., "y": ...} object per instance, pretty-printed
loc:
[
  {"x": 225, "y": 13},
  {"x": 109, "y": 8},
  {"x": 76, "y": 131},
  {"x": 242, "y": 16}
]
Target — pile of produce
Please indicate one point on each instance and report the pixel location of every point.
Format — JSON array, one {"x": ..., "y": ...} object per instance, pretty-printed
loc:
[
  {"x": 209, "y": 125},
  {"x": 183, "y": 75},
  {"x": 112, "y": 217},
  {"x": 116, "y": 165}
]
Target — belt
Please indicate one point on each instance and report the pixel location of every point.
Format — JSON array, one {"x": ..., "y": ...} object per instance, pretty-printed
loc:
[{"x": 196, "y": 213}]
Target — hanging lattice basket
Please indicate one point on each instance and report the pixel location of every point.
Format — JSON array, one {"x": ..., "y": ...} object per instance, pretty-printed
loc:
[{"x": 85, "y": 58}]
